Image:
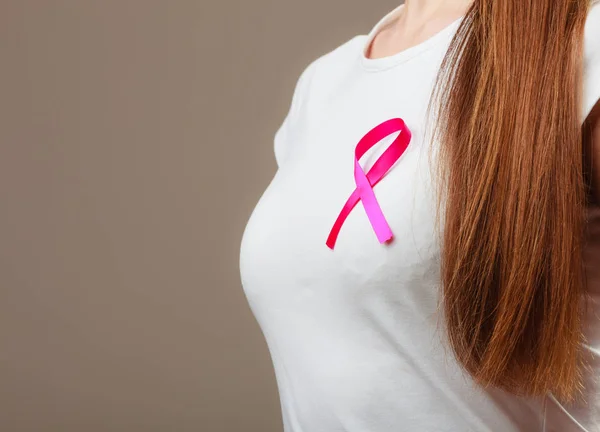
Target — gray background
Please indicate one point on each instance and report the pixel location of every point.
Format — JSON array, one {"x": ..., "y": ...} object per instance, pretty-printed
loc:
[{"x": 136, "y": 137}]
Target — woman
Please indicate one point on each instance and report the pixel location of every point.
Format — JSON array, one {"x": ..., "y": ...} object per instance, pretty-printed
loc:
[{"x": 423, "y": 259}]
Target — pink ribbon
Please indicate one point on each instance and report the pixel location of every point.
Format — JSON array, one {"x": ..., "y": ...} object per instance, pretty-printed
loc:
[{"x": 366, "y": 182}]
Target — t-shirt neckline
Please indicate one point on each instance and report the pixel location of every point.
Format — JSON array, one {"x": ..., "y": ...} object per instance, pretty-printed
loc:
[{"x": 381, "y": 63}]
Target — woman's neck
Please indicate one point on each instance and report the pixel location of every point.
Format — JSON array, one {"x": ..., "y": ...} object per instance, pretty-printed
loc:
[{"x": 416, "y": 13}]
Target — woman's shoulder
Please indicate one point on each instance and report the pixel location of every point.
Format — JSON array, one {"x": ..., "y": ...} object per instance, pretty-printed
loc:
[
  {"x": 324, "y": 72},
  {"x": 592, "y": 56},
  {"x": 592, "y": 25},
  {"x": 315, "y": 82},
  {"x": 335, "y": 60}
]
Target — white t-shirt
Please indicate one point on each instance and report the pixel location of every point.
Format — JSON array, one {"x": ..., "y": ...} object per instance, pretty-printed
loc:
[{"x": 353, "y": 332}]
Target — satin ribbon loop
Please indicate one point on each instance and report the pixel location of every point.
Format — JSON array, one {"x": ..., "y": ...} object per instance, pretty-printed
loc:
[{"x": 365, "y": 182}]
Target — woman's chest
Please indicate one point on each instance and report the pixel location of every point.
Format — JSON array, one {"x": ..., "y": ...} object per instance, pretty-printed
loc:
[{"x": 284, "y": 243}]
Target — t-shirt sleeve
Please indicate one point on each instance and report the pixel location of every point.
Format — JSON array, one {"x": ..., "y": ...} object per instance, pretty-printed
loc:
[
  {"x": 285, "y": 133},
  {"x": 591, "y": 93}
]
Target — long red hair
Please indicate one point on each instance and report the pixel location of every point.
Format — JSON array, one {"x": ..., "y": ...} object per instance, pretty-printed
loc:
[{"x": 513, "y": 188}]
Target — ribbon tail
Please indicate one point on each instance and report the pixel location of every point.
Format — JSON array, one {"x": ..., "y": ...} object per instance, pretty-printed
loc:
[{"x": 350, "y": 203}]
